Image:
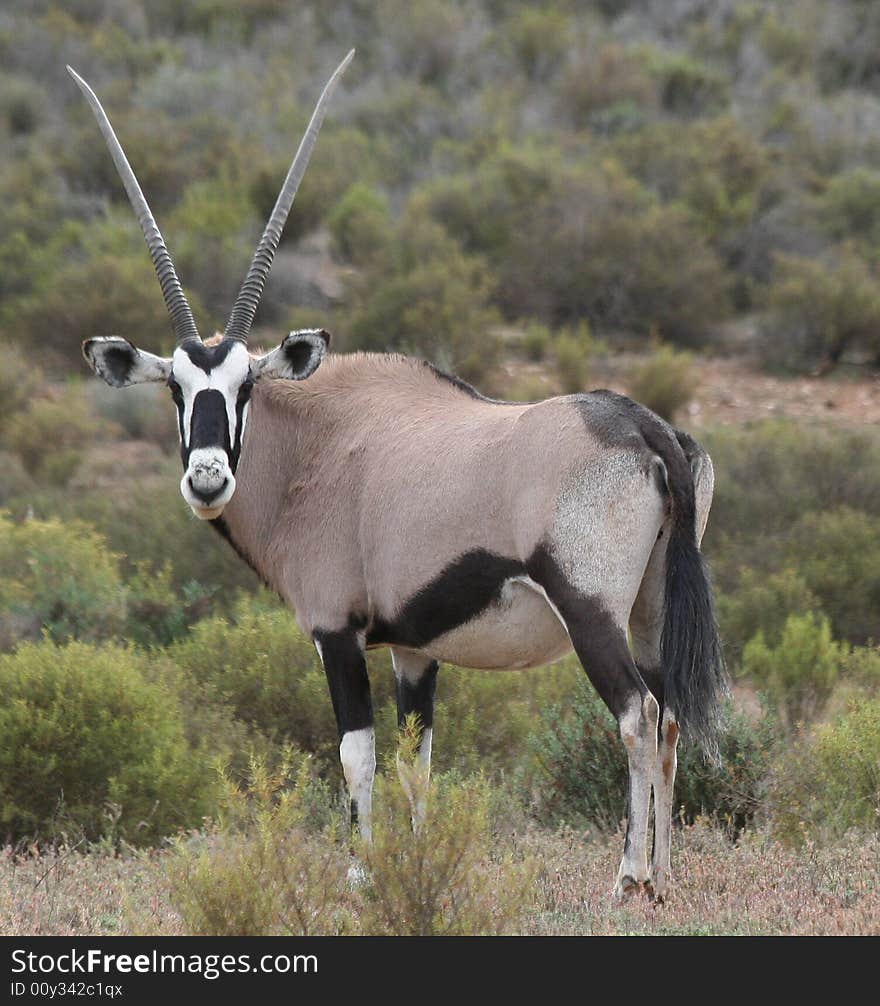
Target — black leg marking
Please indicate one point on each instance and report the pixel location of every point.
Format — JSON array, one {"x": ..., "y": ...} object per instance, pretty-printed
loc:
[
  {"x": 417, "y": 697},
  {"x": 598, "y": 641},
  {"x": 346, "y": 671}
]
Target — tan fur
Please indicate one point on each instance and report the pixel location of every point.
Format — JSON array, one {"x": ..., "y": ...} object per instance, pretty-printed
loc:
[{"x": 385, "y": 472}]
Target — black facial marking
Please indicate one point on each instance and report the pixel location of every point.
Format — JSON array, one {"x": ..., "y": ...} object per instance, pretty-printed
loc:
[
  {"x": 209, "y": 425},
  {"x": 346, "y": 672},
  {"x": 458, "y": 594},
  {"x": 417, "y": 697},
  {"x": 244, "y": 394},
  {"x": 208, "y": 357}
]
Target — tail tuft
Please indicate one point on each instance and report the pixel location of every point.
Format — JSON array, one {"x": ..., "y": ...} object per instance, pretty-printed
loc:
[{"x": 695, "y": 678}]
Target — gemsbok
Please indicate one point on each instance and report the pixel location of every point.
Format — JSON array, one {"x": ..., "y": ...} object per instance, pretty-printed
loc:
[{"x": 391, "y": 504}]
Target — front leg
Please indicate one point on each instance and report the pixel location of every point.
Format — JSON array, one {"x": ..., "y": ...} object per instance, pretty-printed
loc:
[{"x": 342, "y": 655}]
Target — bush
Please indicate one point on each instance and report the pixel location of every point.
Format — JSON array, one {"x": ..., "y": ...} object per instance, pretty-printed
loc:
[
  {"x": 573, "y": 350},
  {"x": 361, "y": 224},
  {"x": 92, "y": 743},
  {"x": 483, "y": 719},
  {"x": 582, "y": 773},
  {"x": 664, "y": 382},
  {"x": 762, "y": 603},
  {"x": 60, "y": 578},
  {"x": 261, "y": 668},
  {"x": 51, "y": 434},
  {"x": 19, "y": 380},
  {"x": 817, "y": 310},
  {"x": 838, "y": 553},
  {"x": 850, "y": 206},
  {"x": 772, "y": 484},
  {"x": 536, "y": 341},
  {"x": 688, "y": 88},
  {"x": 143, "y": 411},
  {"x": 799, "y": 674},
  {"x": 103, "y": 283},
  {"x": 829, "y": 781},
  {"x": 448, "y": 878},
  {"x": 584, "y": 241},
  {"x": 614, "y": 75},
  {"x": 265, "y": 869},
  {"x": 539, "y": 38},
  {"x": 433, "y": 303}
]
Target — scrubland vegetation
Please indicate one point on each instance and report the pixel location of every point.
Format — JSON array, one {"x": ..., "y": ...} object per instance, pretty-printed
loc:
[{"x": 517, "y": 193}]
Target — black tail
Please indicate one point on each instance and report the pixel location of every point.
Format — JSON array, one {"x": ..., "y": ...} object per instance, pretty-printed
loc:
[{"x": 695, "y": 679}]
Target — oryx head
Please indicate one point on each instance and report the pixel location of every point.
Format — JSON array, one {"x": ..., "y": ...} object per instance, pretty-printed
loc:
[{"x": 210, "y": 381}]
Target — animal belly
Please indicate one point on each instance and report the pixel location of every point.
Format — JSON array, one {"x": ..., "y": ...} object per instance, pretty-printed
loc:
[{"x": 520, "y": 630}]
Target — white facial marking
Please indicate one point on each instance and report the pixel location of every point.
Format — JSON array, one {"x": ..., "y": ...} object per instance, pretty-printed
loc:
[
  {"x": 208, "y": 468},
  {"x": 227, "y": 377}
]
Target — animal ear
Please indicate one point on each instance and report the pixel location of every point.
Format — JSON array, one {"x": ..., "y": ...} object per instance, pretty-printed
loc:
[
  {"x": 121, "y": 364},
  {"x": 298, "y": 356}
]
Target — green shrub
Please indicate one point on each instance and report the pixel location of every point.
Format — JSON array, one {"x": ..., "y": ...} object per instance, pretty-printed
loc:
[
  {"x": 573, "y": 351},
  {"x": 539, "y": 37},
  {"x": 51, "y": 434},
  {"x": 761, "y": 603},
  {"x": 58, "y": 577},
  {"x": 838, "y": 554},
  {"x": 143, "y": 411},
  {"x": 582, "y": 775},
  {"x": 799, "y": 674},
  {"x": 664, "y": 382},
  {"x": 583, "y": 241},
  {"x": 829, "y": 781},
  {"x": 103, "y": 283},
  {"x": 771, "y": 485},
  {"x": 817, "y": 310},
  {"x": 92, "y": 743},
  {"x": 850, "y": 205},
  {"x": 483, "y": 719},
  {"x": 716, "y": 167},
  {"x": 266, "y": 673},
  {"x": 688, "y": 88},
  {"x": 19, "y": 380},
  {"x": 156, "y": 612},
  {"x": 361, "y": 224},
  {"x": 613, "y": 75},
  {"x": 434, "y": 303},
  {"x": 451, "y": 877},
  {"x": 536, "y": 341},
  {"x": 262, "y": 870}
]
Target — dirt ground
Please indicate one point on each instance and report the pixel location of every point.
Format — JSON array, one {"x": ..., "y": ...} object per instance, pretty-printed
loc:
[{"x": 731, "y": 392}]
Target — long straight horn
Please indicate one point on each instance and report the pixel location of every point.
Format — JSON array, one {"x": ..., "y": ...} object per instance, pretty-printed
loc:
[
  {"x": 182, "y": 320},
  {"x": 245, "y": 307}
]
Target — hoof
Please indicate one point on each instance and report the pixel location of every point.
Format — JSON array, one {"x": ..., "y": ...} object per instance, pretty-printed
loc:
[{"x": 628, "y": 887}]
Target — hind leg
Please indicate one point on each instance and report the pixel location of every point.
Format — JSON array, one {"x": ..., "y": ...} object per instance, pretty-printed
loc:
[
  {"x": 415, "y": 679},
  {"x": 599, "y": 639},
  {"x": 600, "y": 643},
  {"x": 646, "y": 629}
]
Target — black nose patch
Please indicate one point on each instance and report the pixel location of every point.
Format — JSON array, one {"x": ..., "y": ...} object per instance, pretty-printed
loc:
[{"x": 209, "y": 426}]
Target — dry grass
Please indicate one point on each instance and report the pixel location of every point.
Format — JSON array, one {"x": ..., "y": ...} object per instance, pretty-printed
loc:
[{"x": 755, "y": 887}]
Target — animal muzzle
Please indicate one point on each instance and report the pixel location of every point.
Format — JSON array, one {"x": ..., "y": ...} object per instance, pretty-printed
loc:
[{"x": 208, "y": 483}]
